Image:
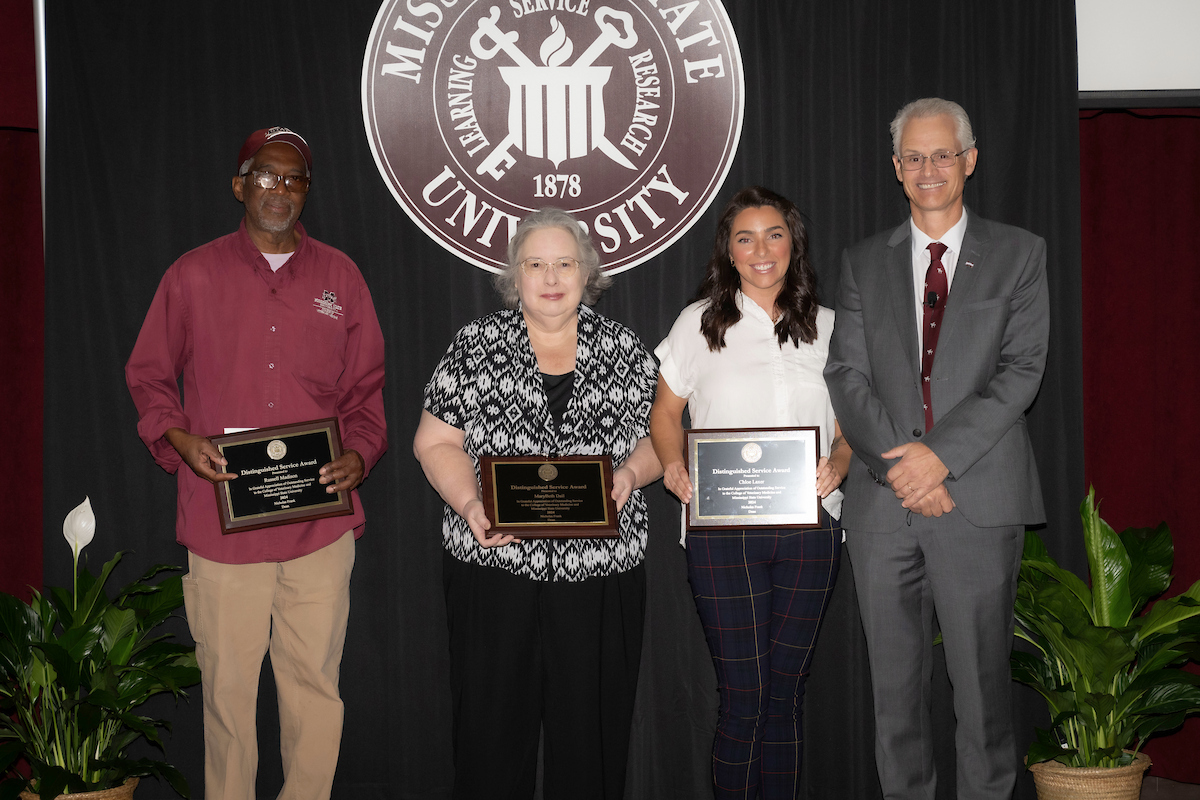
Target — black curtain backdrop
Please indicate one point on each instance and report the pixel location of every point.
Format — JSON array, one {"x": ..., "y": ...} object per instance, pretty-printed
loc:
[{"x": 148, "y": 105}]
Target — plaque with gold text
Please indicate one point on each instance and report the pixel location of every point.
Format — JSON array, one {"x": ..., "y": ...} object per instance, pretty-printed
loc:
[
  {"x": 565, "y": 497},
  {"x": 278, "y": 471}
]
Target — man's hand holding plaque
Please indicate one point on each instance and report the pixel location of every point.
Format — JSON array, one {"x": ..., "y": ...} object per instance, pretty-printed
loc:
[
  {"x": 199, "y": 453},
  {"x": 279, "y": 475},
  {"x": 343, "y": 474}
]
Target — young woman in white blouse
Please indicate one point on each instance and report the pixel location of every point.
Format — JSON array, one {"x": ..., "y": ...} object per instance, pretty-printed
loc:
[{"x": 749, "y": 353}]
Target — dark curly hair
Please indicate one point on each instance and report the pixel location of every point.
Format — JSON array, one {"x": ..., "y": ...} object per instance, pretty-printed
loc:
[{"x": 797, "y": 298}]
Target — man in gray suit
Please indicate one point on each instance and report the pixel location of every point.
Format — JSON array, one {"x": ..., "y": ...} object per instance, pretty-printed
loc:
[{"x": 938, "y": 349}]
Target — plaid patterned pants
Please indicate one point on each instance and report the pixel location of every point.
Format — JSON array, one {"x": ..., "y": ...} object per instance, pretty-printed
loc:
[{"x": 761, "y": 595}]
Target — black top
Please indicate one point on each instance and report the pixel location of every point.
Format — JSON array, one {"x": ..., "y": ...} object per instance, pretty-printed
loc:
[{"x": 558, "y": 394}]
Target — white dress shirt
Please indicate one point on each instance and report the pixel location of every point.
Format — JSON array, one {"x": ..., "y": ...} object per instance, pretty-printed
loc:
[{"x": 953, "y": 240}]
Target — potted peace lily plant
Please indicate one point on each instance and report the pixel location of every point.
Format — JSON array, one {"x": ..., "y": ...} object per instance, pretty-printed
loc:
[
  {"x": 75, "y": 666},
  {"x": 1112, "y": 676}
]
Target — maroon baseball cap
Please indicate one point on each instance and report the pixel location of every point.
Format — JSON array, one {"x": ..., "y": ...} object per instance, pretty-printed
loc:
[{"x": 255, "y": 142}]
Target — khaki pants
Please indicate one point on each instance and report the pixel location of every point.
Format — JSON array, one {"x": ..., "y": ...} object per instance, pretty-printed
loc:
[{"x": 299, "y": 610}]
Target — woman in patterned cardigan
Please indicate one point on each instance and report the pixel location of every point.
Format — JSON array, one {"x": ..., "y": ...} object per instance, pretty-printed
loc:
[{"x": 543, "y": 632}]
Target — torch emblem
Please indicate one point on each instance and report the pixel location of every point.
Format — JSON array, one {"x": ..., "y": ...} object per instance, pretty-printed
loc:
[{"x": 555, "y": 112}]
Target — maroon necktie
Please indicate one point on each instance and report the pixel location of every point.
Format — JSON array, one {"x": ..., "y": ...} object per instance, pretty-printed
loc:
[{"x": 934, "y": 303}]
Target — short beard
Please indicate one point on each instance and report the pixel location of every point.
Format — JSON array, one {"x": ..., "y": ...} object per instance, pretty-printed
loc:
[{"x": 270, "y": 224}]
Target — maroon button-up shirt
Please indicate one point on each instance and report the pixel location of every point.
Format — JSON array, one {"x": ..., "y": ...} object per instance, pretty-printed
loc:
[{"x": 258, "y": 348}]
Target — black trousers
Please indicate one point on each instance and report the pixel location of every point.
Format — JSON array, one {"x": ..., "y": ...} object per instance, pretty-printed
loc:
[{"x": 530, "y": 654}]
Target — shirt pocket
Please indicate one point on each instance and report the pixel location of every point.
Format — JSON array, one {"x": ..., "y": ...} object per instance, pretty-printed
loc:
[
  {"x": 806, "y": 362},
  {"x": 321, "y": 353}
]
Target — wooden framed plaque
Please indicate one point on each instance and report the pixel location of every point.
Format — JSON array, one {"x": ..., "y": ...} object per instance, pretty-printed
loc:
[
  {"x": 277, "y": 476},
  {"x": 753, "y": 478},
  {"x": 533, "y": 497}
]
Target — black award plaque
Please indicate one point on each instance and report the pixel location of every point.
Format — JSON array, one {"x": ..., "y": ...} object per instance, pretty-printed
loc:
[
  {"x": 745, "y": 478},
  {"x": 533, "y": 497},
  {"x": 278, "y": 471}
]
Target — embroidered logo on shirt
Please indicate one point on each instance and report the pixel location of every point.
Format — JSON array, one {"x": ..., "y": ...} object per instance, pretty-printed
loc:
[{"x": 327, "y": 304}]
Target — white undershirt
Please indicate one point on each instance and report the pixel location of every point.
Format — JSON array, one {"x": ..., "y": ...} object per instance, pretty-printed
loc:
[
  {"x": 277, "y": 260},
  {"x": 953, "y": 240}
]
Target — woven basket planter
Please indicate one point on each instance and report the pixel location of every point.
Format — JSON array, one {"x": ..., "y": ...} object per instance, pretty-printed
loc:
[
  {"x": 122, "y": 792},
  {"x": 1055, "y": 781}
]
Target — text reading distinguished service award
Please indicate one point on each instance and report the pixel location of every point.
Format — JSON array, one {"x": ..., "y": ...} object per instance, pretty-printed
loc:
[
  {"x": 744, "y": 478},
  {"x": 566, "y": 497},
  {"x": 278, "y": 471}
]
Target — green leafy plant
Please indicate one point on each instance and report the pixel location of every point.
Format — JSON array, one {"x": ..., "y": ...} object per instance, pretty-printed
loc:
[
  {"x": 1111, "y": 675},
  {"x": 74, "y": 667}
]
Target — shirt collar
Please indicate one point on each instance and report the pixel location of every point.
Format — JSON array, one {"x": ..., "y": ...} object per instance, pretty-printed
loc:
[
  {"x": 253, "y": 254},
  {"x": 952, "y": 238},
  {"x": 747, "y": 305}
]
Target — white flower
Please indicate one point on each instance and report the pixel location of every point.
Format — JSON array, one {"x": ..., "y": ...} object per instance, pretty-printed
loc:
[{"x": 79, "y": 526}]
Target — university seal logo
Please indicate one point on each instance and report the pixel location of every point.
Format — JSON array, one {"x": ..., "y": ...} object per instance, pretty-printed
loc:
[{"x": 626, "y": 113}]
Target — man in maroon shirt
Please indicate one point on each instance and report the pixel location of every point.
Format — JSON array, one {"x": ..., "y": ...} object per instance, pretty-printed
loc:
[{"x": 266, "y": 326}]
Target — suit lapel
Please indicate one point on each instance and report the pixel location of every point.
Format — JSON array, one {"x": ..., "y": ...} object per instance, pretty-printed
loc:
[
  {"x": 977, "y": 243},
  {"x": 900, "y": 286}
]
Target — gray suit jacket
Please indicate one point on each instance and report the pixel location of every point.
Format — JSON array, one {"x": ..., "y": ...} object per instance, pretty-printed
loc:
[{"x": 990, "y": 358}]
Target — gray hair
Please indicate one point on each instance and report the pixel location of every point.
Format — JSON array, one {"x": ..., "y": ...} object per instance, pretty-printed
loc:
[
  {"x": 595, "y": 281},
  {"x": 933, "y": 107}
]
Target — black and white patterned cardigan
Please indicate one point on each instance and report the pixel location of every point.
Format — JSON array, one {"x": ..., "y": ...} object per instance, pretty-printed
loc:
[{"x": 488, "y": 386}]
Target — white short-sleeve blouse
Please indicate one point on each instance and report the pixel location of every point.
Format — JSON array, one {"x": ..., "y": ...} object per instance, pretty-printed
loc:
[{"x": 752, "y": 382}]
